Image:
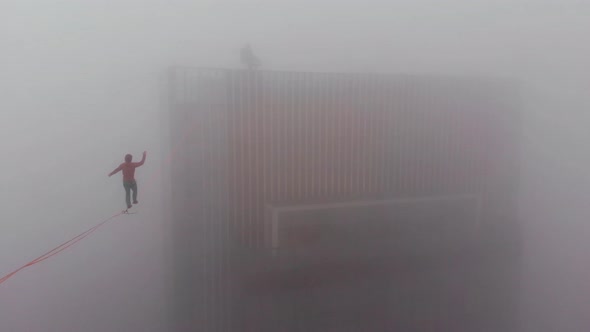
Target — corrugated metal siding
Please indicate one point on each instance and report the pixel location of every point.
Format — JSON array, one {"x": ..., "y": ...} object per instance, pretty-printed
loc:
[
  {"x": 200, "y": 194},
  {"x": 309, "y": 137},
  {"x": 248, "y": 139}
]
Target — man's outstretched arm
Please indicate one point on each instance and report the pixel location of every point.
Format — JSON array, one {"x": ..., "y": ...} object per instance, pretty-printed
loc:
[
  {"x": 115, "y": 171},
  {"x": 142, "y": 160}
]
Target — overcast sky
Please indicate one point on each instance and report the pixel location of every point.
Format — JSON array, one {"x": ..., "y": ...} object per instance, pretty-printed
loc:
[{"x": 79, "y": 90}]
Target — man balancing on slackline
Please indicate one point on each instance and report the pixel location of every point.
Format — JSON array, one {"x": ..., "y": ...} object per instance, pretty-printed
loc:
[{"x": 129, "y": 182}]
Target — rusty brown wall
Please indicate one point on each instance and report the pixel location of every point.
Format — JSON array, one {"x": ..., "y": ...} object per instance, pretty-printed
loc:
[
  {"x": 301, "y": 137},
  {"x": 241, "y": 140}
]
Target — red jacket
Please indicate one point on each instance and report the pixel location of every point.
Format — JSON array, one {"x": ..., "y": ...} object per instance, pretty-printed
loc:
[{"x": 128, "y": 169}]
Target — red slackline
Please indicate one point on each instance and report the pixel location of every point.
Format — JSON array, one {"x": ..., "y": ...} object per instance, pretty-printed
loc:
[{"x": 60, "y": 248}]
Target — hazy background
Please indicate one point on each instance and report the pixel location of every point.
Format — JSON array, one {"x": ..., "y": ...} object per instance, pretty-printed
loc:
[{"x": 78, "y": 90}]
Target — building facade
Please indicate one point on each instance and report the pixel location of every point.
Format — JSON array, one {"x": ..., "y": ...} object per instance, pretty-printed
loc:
[{"x": 256, "y": 150}]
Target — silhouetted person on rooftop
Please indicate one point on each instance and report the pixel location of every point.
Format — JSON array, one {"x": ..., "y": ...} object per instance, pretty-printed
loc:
[{"x": 248, "y": 58}]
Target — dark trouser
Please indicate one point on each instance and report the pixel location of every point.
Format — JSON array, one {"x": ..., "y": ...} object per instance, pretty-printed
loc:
[{"x": 130, "y": 185}]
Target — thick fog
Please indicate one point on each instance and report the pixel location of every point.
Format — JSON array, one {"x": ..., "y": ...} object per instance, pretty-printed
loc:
[{"x": 79, "y": 90}]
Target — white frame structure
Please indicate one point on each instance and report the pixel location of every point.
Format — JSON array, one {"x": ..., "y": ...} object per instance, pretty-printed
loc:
[{"x": 273, "y": 212}]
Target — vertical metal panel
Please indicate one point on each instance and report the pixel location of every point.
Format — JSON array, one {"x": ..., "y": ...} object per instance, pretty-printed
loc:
[{"x": 320, "y": 137}]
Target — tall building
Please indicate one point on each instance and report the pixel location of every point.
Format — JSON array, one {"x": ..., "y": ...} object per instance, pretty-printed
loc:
[{"x": 343, "y": 202}]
